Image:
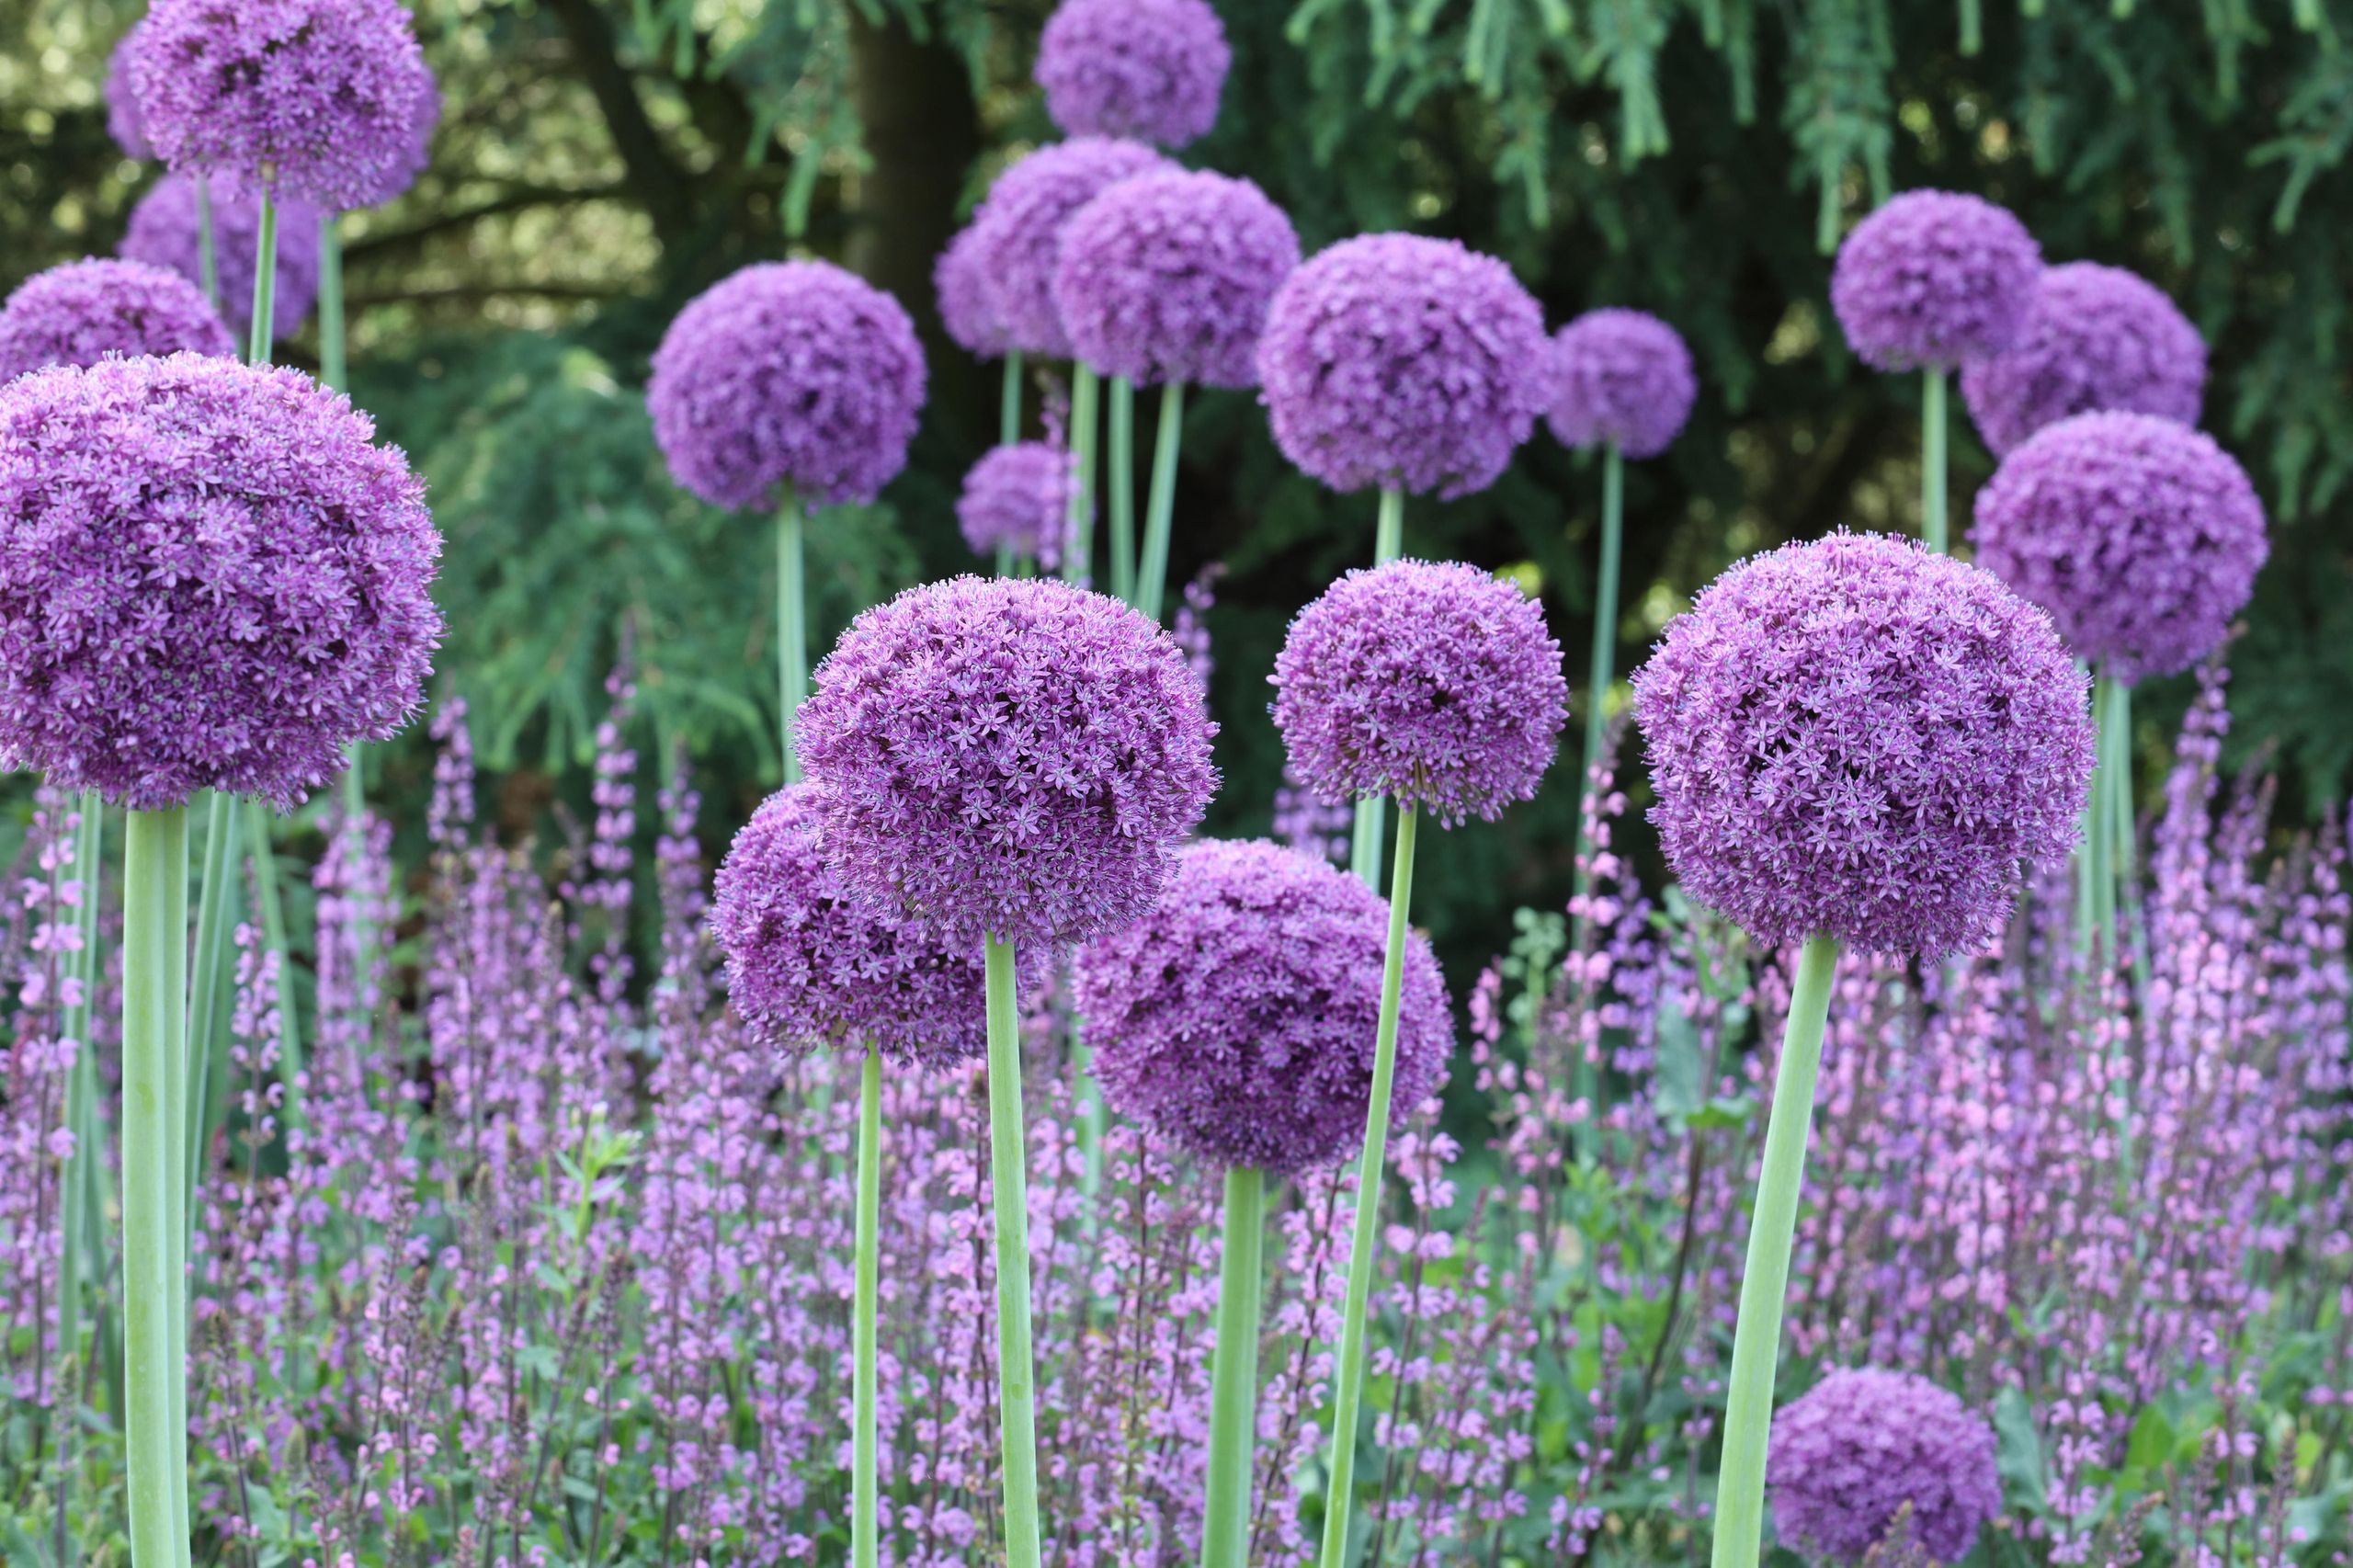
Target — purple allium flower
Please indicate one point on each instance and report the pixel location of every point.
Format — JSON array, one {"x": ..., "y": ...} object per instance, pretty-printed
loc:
[
  {"x": 2139, "y": 535},
  {"x": 808, "y": 966},
  {"x": 1007, "y": 757},
  {"x": 164, "y": 232},
  {"x": 1861, "y": 738},
  {"x": 1434, "y": 685},
  {"x": 1017, "y": 497},
  {"x": 1847, "y": 1458},
  {"x": 1166, "y": 278},
  {"x": 84, "y": 311},
  {"x": 213, "y": 579},
  {"x": 1622, "y": 377},
  {"x": 1393, "y": 360},
  {"x": 1934, "y": 279},
  {"x": 1017, "y": 232},
  {"x": 786, "y": 373},
  {"x": 318, "y": 99},
  {"x": 1237, "y": 1020},
  {"x": 965, "y": 308},
  {"x": 123, "y": 123},
  {"x": 2098, "y": 337},
  {"x": 1147, "y": 69}
]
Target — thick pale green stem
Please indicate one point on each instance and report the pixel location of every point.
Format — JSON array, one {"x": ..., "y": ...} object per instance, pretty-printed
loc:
[
  {"x": 1972, "y": 27},
  {"x": 1364, "y": 841},
  {"x": 1076, "y": 549},
  {"x": 1596, "y": 710},
  {"x": 1763, "y": 1281},
  {"x": 1121, "y": 480},
  {"x": 864, "y": 1489},
  {"x": 182, "y": 1193},
  {"x": 1934, "y": 428},
  {"x": 1004, "y": 563},
  {"x": 2094, "y": 880},
  {"x": 332, "y": 370},
  {"x": 207, "y": 258},
  {"x": 1009, "y": 414},
  {"x": 1349, "y": 1390},
  {"x": 1160, "y": 506},
  {"x": 1017, "y": 1372},
  {"x": 261, "y": 332},
  {"x": 792, "y": 631},
  {"x": 1234, "y": 1373}
]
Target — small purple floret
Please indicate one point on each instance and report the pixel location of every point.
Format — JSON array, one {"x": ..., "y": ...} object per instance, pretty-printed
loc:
[
  {"x": 1017, "y": 232},
  {"x": 1146, "y": 69},
  {"x": 1018, "y": 498},
  {"x": 2098, "y": 337},
  {"x": 163, "y": 232},
  {"x": 966, "y": 309},
  {"x": 1621, "y": 376},
  {"x": 1934, "y": 279},
  {"x": 1846, "y": 1458},
  {"x": 84, "y": 311}
]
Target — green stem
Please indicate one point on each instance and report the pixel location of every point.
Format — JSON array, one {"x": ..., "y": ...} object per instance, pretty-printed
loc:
[
  {"x": 1347, "y": 1394},
  {"x": 1122, "y": 481},
  {"x": 1008, "y": 417},
  {"x": 1934, "y": 428},
  {"x": 2104, "y": 902},
  {"x": 1004, "y": 563},
  {"x": 260, "y": 330},
  {"x": 1597, "y": 712},
  {"x": 792, "y": 631},
  {"x": 2095, "y": 888},
  {"x": 216, "y": 916},
  {"x": 1076, "y": 549},
  {"x": 1972, "y": 27},
  {"x": 865, "y": 1490},
  {"x": 181, "y": 1193},
  {"x": 260, "y": 823},
  {"x": 1364, "y": 841},
  {"x": 1233, "y": 1398},
  {"x": 332, "y": 369},
  {"x": 1016, "y": 1373},
  {"x": 75, "y": 1271},
  {"x": 208, "y": 262},
  {"x": 1160, "y": 506}
]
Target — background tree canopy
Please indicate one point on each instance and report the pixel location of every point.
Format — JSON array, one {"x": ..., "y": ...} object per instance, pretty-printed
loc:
[{"x": 600, "y": 162}]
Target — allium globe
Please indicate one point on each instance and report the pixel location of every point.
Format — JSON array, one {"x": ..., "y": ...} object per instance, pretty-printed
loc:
[
  {"x": 1860, "y": 738},
  {"x": 1860, "y": 1445},
  {"x": 966, "y": 309},
  {"x": 84, "y": 311},
  {"x": 1015, "y": 758},
  {"x": 1933, "y": 280},
  {"x": 1434, "y": 685},
  {"x": 1622, "y": 378},
  {"x": 123, "y": 122},
  {"x": 786, "y": 373},
  {"x": 1146, "y": 69},
  {"x": 1017, "y": 232},
  {"x": 2098, "y": 337},
  {"x": 163, "y": 232},
  {"x": 1018, "y": 498},
  {"x": 2139, "y": 535},
  {"x": 1166, "y": 278},
  {"x": 214, "y": 578},
  {"x": 1404, "y": 362}
]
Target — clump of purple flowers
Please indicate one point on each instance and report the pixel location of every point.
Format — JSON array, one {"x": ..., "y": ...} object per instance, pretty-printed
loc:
[
  {"x": 1934, "y": 279},
  {"x": 84, "y": 311},
  {"x": 2098, "y": 337},
  {"x": 1864, "y": 1445},
  {"x": 1622, "y": 378},
  {"x": 1148, "y": 69},
  {"x": 123, "y": 122},
  {"x": 163, "y": 232},
  {"x": 1017, "y": 232},
  {"x": 966, "y": 307},
  {"x": 1018, "y": 498}
]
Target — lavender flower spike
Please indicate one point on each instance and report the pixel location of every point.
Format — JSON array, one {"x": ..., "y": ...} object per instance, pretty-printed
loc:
[
  {"x": 84, "y": 311},
  {"x": 1861, "y": 1446},
  {"x": 164, "y": 232},
  {"x": 1149, "y": 69},
  {"x": 1621, "y": 379},
  {"x": 2098, "y": 337},
  {"x": 1934, "y": 279}
]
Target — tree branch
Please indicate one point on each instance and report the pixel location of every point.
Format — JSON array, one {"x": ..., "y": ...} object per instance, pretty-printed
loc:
[
  {"x": 521, "y": 198},
  {"x": 660, "y": 184}
]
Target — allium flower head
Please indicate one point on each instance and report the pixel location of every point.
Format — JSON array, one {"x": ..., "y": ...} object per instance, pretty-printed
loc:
[
  {"x": 1393, "y": 359},
  {"x": 1934, "y": 279},
  {"x": 2098, "y": 337},
  {"x": 1166, "y": 278},
  {"x": 211, "y": 577},
  {"x": 163, "y": 232},
  {"x": 1018, "y": 497},
  {"x": 786, "y": 373},
  {"x": 1622, "y": 377},
  {"x": 84, "y": 311},
  {"x": 966, "y": 309},
  {"x": 123, "y": 123},
  {"x": 1147, "y": 69},
  {"x": 1018, "y": 231},
  {"x": 1237, "y": 1020},
  {"x": 1008, "y": 757},
  {"x": 2139, "y": 536},
  {"x": 318, "y": 99},
  {"x": 1846, "y": 1458},
  {"x": 1860, "y": 738},
  {"x": 1434, "y": 685},
  {"x": 808, "y": 966}
]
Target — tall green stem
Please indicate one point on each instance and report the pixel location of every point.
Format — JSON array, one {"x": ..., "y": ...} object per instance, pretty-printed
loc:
[
  {"x": 1077, "y": 549},
  {"x": 2095, "y": 885},
  {"x": 1763, "y": 1282},
  {"x": 1933, "y": 431},
  {"x": 1016, "y": 1373},
  {"x": 1160, "y": 506},
  {"x": 332, "y": 370},
  {"x": 864, "y": 1489},
  {"x": 1234, "y": 1373},
  {"x": 1585, "y": 1079},
  {"x": 791, "y": 629},
  {"x": 74, "y": 1270},
  {"x": 1008, "y": 412},
  {"x": 216, "y": 916},
  {"x": 260, "y": 333},
  {"x": 1972, "y": 27},
  {"x": 1364, "y": 841},
  {"x": 207, "y": 258},
  {"x": 1347, "y": 1394},
  {"x": 1121, "y": 478}
]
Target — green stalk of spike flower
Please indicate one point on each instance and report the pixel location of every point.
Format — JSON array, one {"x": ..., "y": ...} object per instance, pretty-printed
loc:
[
  {"x": 866, "y": 1346},
  {"x": 1935, "y": 426},
  {"x": 1017, "y": 1372},
  {"x": 1152, "y": 575},
  {"x": 1084, "y": 388},
  {"x": 2095, "y": 861},
  {"x": 1364, "y": 840},
  {"x": 1972, "y": 27},
  {"x": 332, "y": 368},
  {"x": 208, "y": 262},
  {"x": 1009, "y": 414},
  {"x": 1121, "y": 480},
  {"x": 1234, "y": 1372},
  {"x": 74, "y": 1272},
  {"x": 791, "y": 629}
]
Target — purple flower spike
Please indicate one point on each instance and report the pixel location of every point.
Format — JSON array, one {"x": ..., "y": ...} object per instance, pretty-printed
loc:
[
  {"x": 1018, "y": 498},
  {"x": 1237, "y": 1020},
  {"x": 1622, "y": 377},
  {"x": 213, "y": 579},
  {"x": 1858, "y": 738},
  {"x": 2139, "y": 536},
  {"x": 123, "y": 121},
  {"x": 965, "y": 308},
  {"x": 1436, "y": 685},
  {"x": 1166, "y": 278},
  {"x": 1147, "y": 69},
  {"x": 1016, "y": 233},
  {"x": 1934, "y": 279},
  {"x": 318, "y": 99},
  {"x": 807, "y": 966},
  {"x": 1007, "y": 757},
  {"x": 1847, "y": 1458},
  {"x": 1393, "y": 360},
  {"x": 2098, "y": 337},
  {"x": 163, "y": 232},
  {"x": 84, "y": 311},
  {"x": 786, "y": 373}
]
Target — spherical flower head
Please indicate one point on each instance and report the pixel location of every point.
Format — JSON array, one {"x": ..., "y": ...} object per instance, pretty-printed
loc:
[
  {"x": 1017, "y": 497},
  {"x": 1846, "y": 1458},
  {"x": 317, "y": 100},
  {"x": 966, "y": 309},
  {"x": 1147, "y": 69},
  {"x": 786, "y": 373},
  {"x": 1166, "y": 278},
  {"x": 211, "y": 577},
  {"x": 1933, "y": 280},
  {"x": 123, "y": 122},
  {"x": 163, "y": 232},
  {"x": 808, "y": 966},
  {"x": 84, "y": 311},
  {"x": 1858, "y": 738},
  {"x": 1237, "y": 1020},
  {"x": 1436, "y": 685},
  {"x": 1017, "y": 758},
  {"x": 1405, "y": 362},
  {"x": 1018, "y": 231},
  {"x": 2098, "y": 337},
  {"x": 1621, "y": 378},
  {"x": 2139, "y": 536}
]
